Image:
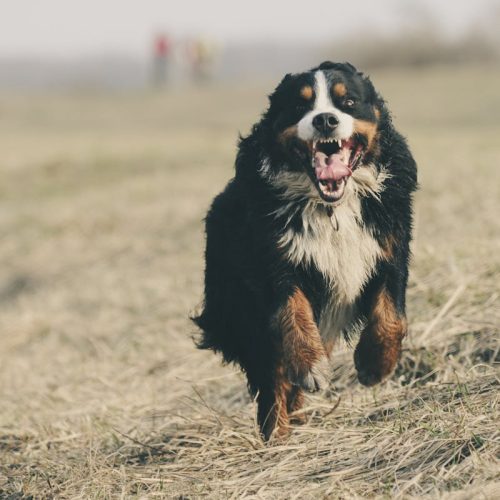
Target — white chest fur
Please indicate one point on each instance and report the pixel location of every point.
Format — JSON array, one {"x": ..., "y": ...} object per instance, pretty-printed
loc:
[{"x": 345, "y": 256}]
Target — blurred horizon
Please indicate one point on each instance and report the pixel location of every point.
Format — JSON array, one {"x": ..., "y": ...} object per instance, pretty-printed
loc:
[{"x": 94, "y": 45}]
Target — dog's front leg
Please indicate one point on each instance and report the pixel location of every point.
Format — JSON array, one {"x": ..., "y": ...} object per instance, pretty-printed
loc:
[
  {"x": 304, "y": 356},
  {"x": 379, "y": 347},
  {"x": 299, "y": 363}
]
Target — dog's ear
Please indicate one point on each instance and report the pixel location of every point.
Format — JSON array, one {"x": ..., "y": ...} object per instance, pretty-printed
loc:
[
  {"x": 285, "y": 81},
  {"x": 281, "y": 89},
  {"x": 371, "y": 89},
  {"x": 372, "y": 95}
]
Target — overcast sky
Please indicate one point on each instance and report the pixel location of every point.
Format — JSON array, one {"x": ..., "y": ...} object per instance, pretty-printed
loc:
[{"x": 85, "y": 27}]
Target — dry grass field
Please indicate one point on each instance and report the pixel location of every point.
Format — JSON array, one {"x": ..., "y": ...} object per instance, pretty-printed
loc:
[{"x": 103, "y": 394}]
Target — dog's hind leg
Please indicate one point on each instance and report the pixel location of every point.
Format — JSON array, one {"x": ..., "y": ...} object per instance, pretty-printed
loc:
[
  {"x": 278, "y": 408},
  {"x": 277, "y": 402},
  {"x": 295, "y": 401},
  {"x": 272, "y": 408}
]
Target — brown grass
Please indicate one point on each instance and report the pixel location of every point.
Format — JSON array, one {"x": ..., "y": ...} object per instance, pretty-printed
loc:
[{"x": 103, "y": 392}]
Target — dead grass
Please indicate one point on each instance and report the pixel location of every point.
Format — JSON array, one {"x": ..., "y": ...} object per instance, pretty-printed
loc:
[{"x": 103, "y": 393}]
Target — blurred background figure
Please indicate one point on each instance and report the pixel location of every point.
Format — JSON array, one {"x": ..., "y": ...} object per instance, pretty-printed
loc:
[
  {"x": 162, "y": 49},
  {"x": 202, "y": 56}
]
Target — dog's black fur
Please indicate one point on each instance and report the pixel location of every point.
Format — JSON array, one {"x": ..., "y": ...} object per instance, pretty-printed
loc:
[{"x": 254, "y": 291}]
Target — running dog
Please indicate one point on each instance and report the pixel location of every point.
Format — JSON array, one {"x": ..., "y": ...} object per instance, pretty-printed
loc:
[{"x": 310, "y": 241}]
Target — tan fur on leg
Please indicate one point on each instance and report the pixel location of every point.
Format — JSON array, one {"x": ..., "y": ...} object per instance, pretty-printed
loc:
[
  {"x": 303, "y": 351},
  {"x": 379, "y": 347},
  {"x": 295, "y": 403},
  {"x": 277, "y": 424}
]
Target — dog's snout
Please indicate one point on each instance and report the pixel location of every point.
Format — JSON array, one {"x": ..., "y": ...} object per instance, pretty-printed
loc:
[{"x": 325, "y": 122}]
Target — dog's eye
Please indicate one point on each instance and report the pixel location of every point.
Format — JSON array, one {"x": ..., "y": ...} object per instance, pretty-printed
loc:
[{"x": 349, "y": 103}]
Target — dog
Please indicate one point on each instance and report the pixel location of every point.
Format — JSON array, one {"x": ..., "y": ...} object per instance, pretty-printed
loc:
[{"x": 310, "y": 241}]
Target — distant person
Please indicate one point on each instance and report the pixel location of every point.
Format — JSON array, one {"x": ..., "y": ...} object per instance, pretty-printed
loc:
[
  {"x": 162, "y": 48},
  {"x": 202, "y": 55}
]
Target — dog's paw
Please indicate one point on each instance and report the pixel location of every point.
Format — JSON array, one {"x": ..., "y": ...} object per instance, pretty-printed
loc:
[
  {"x": 375, "y": 361},
  {"x": 313, "y": 378}
]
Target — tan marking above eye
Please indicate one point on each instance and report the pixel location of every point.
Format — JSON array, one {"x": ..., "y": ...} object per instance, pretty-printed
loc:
[
  {"x": 339, "y": 89},
  {"x": 306, "y": 92}
]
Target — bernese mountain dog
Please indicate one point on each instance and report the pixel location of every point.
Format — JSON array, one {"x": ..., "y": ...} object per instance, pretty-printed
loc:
[{"x": 310, "y": 241}]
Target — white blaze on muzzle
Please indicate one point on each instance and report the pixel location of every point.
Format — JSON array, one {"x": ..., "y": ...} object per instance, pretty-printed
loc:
[{"x": 324, "y": 104}]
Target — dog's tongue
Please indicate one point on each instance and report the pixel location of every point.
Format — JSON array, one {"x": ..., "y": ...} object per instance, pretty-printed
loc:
[{"x": 330, "y": 168}]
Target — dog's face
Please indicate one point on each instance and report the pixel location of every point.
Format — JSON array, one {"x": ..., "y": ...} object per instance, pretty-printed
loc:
[{"x": 325, "y": 122}]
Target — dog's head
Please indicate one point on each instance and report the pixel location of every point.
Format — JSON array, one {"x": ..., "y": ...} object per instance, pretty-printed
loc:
[{"x": 324, "y": 122}]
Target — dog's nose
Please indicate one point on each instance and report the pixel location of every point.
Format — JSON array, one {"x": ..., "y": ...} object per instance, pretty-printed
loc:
[{"x": 325, "y": 123}]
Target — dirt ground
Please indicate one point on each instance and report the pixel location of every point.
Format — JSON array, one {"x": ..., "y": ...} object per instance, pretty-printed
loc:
[{"x": 103, "y": 394}]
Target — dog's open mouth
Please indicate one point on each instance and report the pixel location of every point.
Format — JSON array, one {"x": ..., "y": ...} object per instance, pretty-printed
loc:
[{"x": 333, "y": 161}]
